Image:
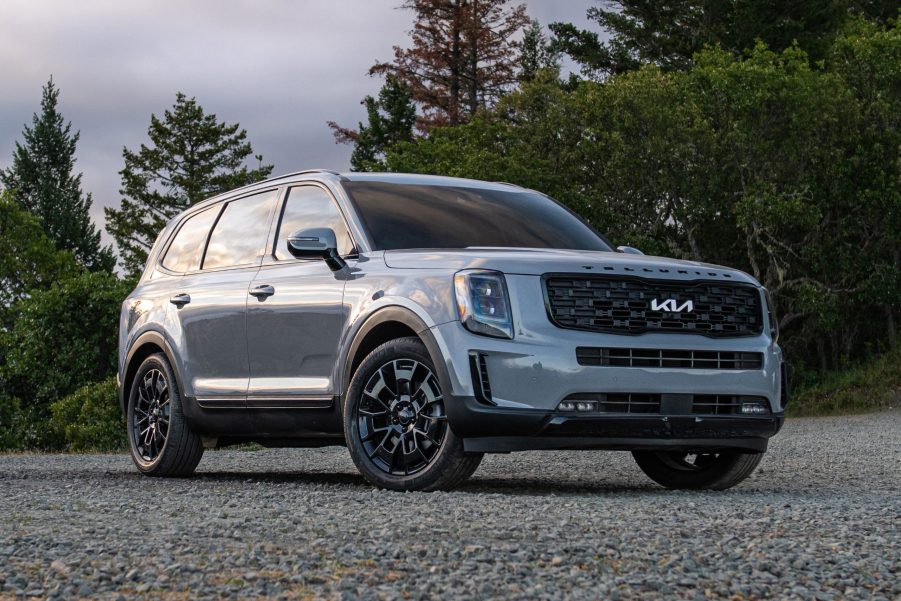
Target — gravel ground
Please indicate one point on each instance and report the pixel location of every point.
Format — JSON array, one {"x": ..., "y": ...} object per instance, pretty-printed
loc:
[{"x": 818, "y": 520}]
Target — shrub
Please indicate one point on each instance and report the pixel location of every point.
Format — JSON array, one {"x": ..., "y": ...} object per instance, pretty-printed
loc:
[
  {"x": 89, "y": 419},
  {"x": 62, "y": 338}
]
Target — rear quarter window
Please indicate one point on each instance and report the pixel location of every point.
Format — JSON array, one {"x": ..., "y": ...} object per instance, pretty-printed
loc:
[{"x": 186, "y": 250}]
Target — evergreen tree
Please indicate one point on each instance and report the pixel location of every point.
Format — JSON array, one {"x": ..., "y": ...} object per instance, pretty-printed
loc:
[
  {"x": 41, "y": 180},
  {"x": 391, "y": 118},
  {"x": 537, "y": 53},
  {"x": 669, "y": 32},
  {"x": 463, "y": 57},
  {"x": 192, "y": 157}
]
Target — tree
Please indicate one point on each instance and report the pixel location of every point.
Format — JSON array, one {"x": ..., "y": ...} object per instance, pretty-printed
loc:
[
  {"x": 537, "y": 53},
  {"x": 28, "y": 258},
  {"x": 41, "y": 180},
  {"x": 463, "y": 57},
  {"x": 668, "y": 33},
  {"x": 193, "y": 156},
  {"x": 390, "y": 117}
]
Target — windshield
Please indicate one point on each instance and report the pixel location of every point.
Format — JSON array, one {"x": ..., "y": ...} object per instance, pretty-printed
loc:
[{"x": 400, "y": 216}]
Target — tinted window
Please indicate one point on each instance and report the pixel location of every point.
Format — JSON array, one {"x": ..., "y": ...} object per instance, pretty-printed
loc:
[
  {"x": 186, "y": 249},
  {"x": 308, "y": 207},
  {"x": 415, "y": 216},
  {"x": 240, "y": 234}
]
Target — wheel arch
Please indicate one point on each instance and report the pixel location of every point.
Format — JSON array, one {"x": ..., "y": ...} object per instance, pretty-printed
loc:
[
  {"x": 388, "y": 324},
  {"x": 146, "y": 344}
]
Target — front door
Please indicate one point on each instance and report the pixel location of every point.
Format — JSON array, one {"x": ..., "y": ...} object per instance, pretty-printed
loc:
[{"x": 295, "y": 311}]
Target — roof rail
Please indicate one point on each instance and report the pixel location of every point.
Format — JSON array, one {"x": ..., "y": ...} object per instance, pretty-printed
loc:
[
  {"x": 509, "y": 184},
  {"x": 307, "y": 171}
]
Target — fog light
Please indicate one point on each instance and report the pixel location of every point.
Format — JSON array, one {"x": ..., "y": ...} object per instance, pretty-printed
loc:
[
  {"x": 585, "y": 406},
  {"x": 566, "y": 406},
  {"x": 753, "y": 408}
]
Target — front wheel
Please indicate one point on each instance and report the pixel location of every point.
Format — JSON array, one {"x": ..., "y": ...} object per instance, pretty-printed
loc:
[
  {"x": 396, "y": 425},
  {"x": 697, "y": 471}
]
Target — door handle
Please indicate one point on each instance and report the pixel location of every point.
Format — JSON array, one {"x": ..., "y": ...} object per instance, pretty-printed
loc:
[
  {"x": 179, "y": 300},
  {"x": 262, "y": 291}
]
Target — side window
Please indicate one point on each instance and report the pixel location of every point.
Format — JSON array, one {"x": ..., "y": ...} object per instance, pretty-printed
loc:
[
  {"x": 186, "y": 249},
  {"x": 308, "y": 207},
  {"x": 241, "y": 232}
]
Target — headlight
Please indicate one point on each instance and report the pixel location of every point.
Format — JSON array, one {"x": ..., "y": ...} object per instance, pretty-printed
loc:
[{"x": 482, "y": 302}]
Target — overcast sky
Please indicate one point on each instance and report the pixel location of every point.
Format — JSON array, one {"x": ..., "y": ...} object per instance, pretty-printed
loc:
[{"x": 280, "y": 68}]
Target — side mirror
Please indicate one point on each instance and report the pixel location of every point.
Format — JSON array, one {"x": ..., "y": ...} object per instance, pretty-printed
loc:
[
  {"x": 629, "y": 250},
  {"x": 316, "y": 243}
]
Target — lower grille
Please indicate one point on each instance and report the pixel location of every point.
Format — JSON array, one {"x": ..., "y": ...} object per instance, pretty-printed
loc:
[
  {"x": 665, "y": 404},
  {"x": 680, "y": 359}
]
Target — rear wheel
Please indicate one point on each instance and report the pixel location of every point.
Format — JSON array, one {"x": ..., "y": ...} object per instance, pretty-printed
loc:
[
  {"x": 396, "y": 425},
  {"x": 694, "y": 471},
  {"x": 160, "y": 441}
]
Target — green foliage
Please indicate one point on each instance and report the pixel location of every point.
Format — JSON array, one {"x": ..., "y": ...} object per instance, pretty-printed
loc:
[
  {"x": 24, "y": 427},
  {"x": 64, "y": 337},
  {"x": 41, "y": 181},
  {"x": 192, "y": 157},
  {"x": 789, "y": 171},
  {"x": 28, "y": 258},
  {"x": 90, "y": 419},
  {"x": 390, "y": 120},
  {"x": 669, "y": 33},
  {"x": 537, "y": 53},
  {"x": 869, "y": 386}
]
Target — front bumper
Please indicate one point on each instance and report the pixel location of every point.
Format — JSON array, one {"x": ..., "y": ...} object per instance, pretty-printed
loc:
[
  {"x": 497, "y": 430},
  {"x": 530, "y": 375}
]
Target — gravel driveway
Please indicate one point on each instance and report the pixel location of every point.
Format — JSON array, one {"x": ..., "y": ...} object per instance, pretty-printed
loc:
[{"x": 821, "y": 518}]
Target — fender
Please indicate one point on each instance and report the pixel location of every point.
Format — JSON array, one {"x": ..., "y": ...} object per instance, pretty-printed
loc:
[
  {"x": 157, "y": 338},
  {"x": 405, "y": 316}
]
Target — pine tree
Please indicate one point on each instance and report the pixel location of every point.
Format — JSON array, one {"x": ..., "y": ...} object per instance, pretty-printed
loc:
[
  {"x": 464, "y": 56},
  {"x": 41, "y": 180},
  {"x": 537, "y": 53},
  {"x": 192, "y": 157},
  {"x": 390, "y": 117}
]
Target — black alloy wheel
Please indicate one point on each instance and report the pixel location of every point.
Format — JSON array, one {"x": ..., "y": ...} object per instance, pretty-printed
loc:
[
  {"x": 159, "y": 438},
  {"x": 401, "y": 417},
  {"x": 396, "y": 424},
  {"x": 153, "y": 408}
]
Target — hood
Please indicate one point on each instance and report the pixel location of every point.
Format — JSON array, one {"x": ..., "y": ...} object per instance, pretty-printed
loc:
[{"x": 527, "y": 261}]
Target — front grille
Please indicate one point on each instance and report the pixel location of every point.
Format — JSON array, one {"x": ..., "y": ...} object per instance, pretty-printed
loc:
[
  {"x": 623, "y": 305},
  {"x": 666, "y": 404},
  {"x": 681, "y": 359}
]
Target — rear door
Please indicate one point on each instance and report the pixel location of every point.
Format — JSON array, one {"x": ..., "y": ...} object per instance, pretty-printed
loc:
[
  {"x": 295, "y": 314},
  {"x": 210, "y": 299}
]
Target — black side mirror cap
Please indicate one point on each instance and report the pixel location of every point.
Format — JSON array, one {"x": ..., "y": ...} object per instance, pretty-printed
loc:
[{"x": 317, "y": 243}]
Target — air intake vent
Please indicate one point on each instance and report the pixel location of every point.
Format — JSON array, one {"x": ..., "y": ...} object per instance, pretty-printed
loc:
[
  {"x": 623, "y": 305},
  {"x": 677, "y": 359},
  {"x": 479, "y": 370}
]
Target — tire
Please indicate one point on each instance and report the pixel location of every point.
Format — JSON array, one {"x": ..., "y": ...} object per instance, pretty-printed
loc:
[
  {"x": 396, "y": 426},
  {"x": 160, "y": 441},
  {"x": 710, "y": 471}
]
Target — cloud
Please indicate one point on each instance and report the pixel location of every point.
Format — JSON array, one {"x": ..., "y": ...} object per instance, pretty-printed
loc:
[{"x": 280, "y": 68}]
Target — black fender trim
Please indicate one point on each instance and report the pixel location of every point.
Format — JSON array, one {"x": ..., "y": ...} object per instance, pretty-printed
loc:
[
  {"x": 152, "y": 337},
  {"x": 399, "y": 314}
]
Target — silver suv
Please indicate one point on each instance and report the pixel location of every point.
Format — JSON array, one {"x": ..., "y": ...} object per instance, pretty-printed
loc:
[{"x": 424, "y": 321}]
